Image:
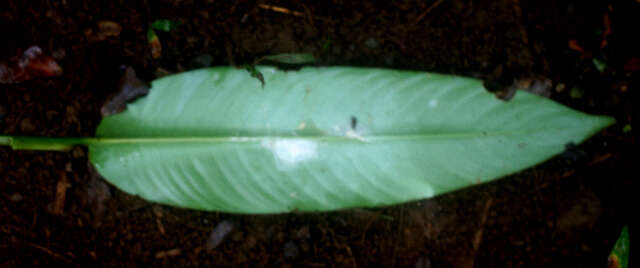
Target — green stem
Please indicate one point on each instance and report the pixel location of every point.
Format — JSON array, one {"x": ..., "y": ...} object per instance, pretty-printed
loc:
[
  {"x": 43, "y": 143},
  {"x": 5, "y": 140}
]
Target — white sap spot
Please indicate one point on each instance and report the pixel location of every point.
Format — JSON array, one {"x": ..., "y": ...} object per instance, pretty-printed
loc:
[
  {"x": 289, "y": 152},
  {"x": 433, "y": 104},
  {"x": 293, "y": 195},
  {"x": 354, "y": 135}
]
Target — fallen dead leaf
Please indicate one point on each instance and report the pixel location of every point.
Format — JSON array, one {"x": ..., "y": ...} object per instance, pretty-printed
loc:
[
  {"x": 32, "y": 64},
  {"x": 57, "y": 208}
]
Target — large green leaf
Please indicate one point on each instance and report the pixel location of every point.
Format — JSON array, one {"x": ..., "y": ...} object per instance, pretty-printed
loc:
[{"x": 323, "y": 138}]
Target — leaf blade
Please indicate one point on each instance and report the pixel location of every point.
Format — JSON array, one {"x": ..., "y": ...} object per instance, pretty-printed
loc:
[{"x": 218, "y": 142}]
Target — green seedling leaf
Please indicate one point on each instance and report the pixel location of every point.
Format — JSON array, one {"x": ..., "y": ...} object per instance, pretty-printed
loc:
[
  {"x": 600, "y": 65},
  {"x": 165, "y": 25},
  {"x": 619, "y": 257},
  {"x": 154, "y": 44},
  {"x": 576, "y": 93},
  {"x": 292, "y": 58},
  {"x": 321, "y": 139}
]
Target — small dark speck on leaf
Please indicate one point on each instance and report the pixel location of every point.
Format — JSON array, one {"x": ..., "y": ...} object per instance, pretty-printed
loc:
[
  {"x": 255, "y": 73},
  {"x": 354, "y": 122},
  {"x": 218, "y": 234}
]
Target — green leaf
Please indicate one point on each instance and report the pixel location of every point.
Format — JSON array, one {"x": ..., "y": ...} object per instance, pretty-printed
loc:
[
  {"x": 619, "y": 256},
  {"x": 600, "y": 65},
  {"x": 165, "y": 25},
  {"x": 151, "y": 36},
  {"x": 323, "y": 138},
  {"x": 292, "y": 58}
]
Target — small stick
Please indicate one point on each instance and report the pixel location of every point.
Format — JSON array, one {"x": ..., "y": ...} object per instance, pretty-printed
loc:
[
  {"x": 436, "y": 4},
  {"x": 48, "y": 251},
  {"x": 290, "y": 12},
  {"x": 281, "y": 10}
]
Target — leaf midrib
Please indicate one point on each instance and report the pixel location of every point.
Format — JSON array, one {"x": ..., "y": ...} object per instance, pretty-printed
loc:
[{"x": 46, "y": 143}]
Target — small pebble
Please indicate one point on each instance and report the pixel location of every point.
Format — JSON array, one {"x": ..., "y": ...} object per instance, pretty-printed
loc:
[
  {"x": 16, "y": 197},
  {"x": 541, "y": 87},
  {"x": 109, "y": 28},
  {"x": 303, "y": 233},
  {"x": 204, "y": 60},
  {"x": 291, "y": 250},
  {"x": 219, "y": 234},
  {"x": 77, "y": 152},
  {"x": 26, "y": 125}
]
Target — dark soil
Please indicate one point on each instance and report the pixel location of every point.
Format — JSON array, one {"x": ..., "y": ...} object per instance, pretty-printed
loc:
[{"x": 567, "y": 212}]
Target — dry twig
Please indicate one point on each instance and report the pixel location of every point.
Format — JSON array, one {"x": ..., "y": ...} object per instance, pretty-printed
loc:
[{"x": 436, "y": 4}]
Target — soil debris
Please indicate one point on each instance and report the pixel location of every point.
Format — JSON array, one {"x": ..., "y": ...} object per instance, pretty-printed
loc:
[
  {"x": 57, "y": 207},
  {"x": 32, "y": 64},
  {"x": 104, "y": 29},
  {"x": 168, "y": 253},
  {"x": 97, "y": 194},
  {"x": 131, "y": 87}
]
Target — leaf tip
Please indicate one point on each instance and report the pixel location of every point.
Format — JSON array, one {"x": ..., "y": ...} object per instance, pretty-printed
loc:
[{"x": 605, "y": 121}]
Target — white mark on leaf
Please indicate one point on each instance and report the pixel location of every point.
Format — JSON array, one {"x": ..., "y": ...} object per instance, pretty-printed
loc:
[
  {"x": 355, "y": 135},
  {"x": 291, "y": 152},
  {"x": 433, "y": 104}
]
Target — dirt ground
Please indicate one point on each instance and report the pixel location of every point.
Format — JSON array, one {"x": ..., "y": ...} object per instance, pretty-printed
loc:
[{"x": 566, "y": 212}]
